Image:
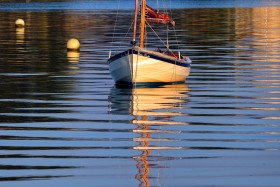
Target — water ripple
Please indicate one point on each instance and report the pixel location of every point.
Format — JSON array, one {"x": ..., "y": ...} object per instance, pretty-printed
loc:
[{"x": 63, "y": 122}]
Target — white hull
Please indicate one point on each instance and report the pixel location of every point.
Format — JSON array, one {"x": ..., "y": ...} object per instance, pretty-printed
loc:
[{"x": 135, "y": 66}]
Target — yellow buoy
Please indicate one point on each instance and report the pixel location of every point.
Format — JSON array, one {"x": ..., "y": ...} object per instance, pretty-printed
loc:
[
  {"x": 19, "y": 23},
  {"x": 73, "y": 45}
]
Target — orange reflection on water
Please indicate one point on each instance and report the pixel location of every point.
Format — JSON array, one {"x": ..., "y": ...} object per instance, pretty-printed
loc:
[
  {"x": 151, "y": 106},
  {"x": 263, "y": 25},
  {"x": 142, "y": 163}
]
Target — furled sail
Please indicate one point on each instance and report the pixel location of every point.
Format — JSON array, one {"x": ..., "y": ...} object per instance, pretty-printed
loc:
[{"x": 156, "y": 17}]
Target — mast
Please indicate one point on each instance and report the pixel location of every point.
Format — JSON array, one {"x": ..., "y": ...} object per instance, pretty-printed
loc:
[
  {"x": 135, "y": 23},
  {"x": 142, "y": 24}
]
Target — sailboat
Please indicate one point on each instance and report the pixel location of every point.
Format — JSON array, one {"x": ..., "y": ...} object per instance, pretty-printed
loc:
[{"x": 140, "y": 65}]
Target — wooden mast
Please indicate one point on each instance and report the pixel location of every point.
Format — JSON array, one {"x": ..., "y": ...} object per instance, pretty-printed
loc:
[
  {"x": 135, "y": 23},
  {"x": 142, "y": 24}
]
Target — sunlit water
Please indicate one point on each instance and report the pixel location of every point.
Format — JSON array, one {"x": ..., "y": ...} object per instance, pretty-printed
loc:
[{"x": 64, "y": 123}]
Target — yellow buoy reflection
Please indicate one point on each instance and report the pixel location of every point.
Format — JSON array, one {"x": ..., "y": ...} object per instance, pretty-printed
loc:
[
  {"x": 73, "y": 56},
  {"x": 20, "y": 31}
]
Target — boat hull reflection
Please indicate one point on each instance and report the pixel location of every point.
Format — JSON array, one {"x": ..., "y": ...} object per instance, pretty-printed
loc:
[{"x": 149, "y": 101}]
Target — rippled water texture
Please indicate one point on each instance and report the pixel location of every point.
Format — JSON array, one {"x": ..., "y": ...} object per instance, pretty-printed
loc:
[{"x": 64, "y": 123}]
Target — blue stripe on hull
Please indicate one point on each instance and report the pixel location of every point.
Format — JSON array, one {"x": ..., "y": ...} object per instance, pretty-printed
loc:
[
  {"x": 130, "y": 51},
  {"x": 146, "y": 84},
  {"x": 120, "y": 55}
]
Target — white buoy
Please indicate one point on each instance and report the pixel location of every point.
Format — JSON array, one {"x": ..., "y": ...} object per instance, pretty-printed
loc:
[
  {"x": 73, "y": 45},
  {"x": 19, "y": 23}
]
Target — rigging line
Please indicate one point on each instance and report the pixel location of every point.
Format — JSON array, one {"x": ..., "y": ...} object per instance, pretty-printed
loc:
[
  {"x": 133, "y": 96},
  {"x": 164, "y": 6},
  {"x": 146, "y": 36},
  {"x": 157, "y": 6},
  {"x": 176, "y": 38},
  {"x": 167, "y": 37},
  {"x": 125, "y": 35},
  {"x": 174, "y": 30},
  {"x": 156, "y": 34},
  {"x": 136, "y": 71},
  {"x": 170, "y": 5},
  {"x": 115, "y": 25}
]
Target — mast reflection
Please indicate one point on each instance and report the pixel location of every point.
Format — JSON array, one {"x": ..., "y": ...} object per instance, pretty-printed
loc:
[
  {"x": 148, "y": 106},
  {"x": 143, "y": 144}
]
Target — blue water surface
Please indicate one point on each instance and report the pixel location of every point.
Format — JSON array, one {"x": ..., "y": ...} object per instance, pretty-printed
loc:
[{"x": 77, "y": 5}]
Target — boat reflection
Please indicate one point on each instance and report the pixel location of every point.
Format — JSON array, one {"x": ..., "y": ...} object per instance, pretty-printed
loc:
[
  {"x": 148, "y": 101},
  {"x": 149, "y": 107}
]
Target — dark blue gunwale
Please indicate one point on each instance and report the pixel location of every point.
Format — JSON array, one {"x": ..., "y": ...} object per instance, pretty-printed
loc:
[
  {"x": 124, "y": 84},
  {"x": 130, "y": 51}
]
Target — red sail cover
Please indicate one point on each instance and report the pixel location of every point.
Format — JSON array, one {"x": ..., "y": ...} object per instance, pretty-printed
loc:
[{"x": 153, "y": 16}]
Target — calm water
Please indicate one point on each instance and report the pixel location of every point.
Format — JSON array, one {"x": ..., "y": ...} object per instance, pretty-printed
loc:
[{"x": 64, "y": 123}]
